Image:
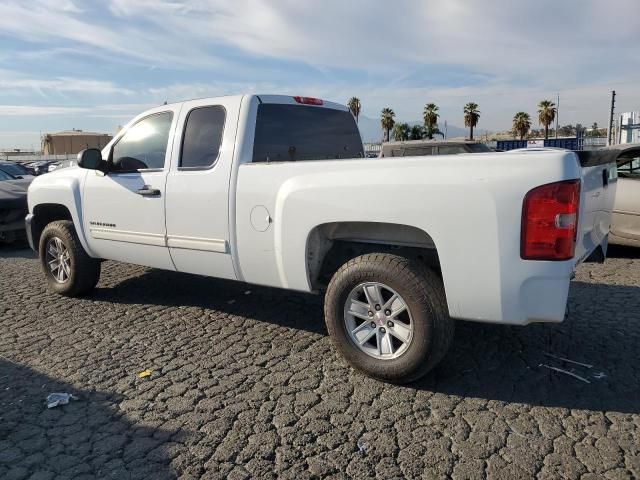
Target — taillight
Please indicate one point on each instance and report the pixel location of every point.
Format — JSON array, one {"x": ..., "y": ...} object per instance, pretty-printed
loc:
[
  {"x": 308, "y": 100},
  {"x": 550, "y": 221}
]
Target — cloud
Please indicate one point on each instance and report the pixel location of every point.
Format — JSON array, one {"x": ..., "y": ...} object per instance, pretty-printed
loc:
[
  {"x": 34, "y": 111},
  {"x": 10, "y": 82},
  {"x": 504, "y": 55}
]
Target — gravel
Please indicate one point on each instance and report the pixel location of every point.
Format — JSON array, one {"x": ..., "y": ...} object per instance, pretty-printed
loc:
[{"x": 245, "y": 384}]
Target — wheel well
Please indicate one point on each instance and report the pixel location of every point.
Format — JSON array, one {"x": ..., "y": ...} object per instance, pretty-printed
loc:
[
  {"x": 44, "y": 214},
  {"x": 330, "y": 245}
]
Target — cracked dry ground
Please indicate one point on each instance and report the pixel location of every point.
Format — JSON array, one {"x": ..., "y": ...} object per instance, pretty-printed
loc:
[{"x": 247, "y": 385}]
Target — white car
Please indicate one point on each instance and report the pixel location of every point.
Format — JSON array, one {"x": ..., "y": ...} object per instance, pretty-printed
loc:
[
  {"x": 274, "y": 190},
  {"x": 625, "y": 224}
]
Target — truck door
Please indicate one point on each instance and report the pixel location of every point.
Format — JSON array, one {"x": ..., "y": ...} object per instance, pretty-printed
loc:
[
  {"x": 197, "y": 205},
  {"x": 124, "y": 209}
]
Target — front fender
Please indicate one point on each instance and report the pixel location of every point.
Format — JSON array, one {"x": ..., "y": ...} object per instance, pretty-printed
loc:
[{"x": 61, "y": 188}]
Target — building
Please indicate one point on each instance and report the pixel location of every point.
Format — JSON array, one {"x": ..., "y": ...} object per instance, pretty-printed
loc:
[
  {"x": 628, "y": 128},
  {"x": 72, "y": 141}
]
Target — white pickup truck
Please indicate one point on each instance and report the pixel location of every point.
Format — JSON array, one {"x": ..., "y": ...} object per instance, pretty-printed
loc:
[{"x": 275, "y": 190}]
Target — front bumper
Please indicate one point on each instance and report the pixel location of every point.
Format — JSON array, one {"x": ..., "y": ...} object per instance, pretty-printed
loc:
[{"x": 28, "y": 223}]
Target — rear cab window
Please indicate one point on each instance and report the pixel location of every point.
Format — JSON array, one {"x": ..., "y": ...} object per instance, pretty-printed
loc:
[
  {"x": 286, "y": 133},
  {"x": 202, "y": 137}
]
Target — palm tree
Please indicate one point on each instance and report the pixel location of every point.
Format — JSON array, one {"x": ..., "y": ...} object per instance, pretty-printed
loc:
[
  {"x": 401, "y": 132},
  {"x": 417, "y": 132},
  {"x": 521, "y": 124},
  {"x": 354, "y": 105},
  {"x": 546, "y": 115},
  {"x": 430, "y": 116},
  {"x": 471, "y": 117},
  {"x": 387, "y": 122}
]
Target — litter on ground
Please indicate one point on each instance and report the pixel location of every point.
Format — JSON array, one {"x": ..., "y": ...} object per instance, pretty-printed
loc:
[
  {"x": 56, "y": 399},
  {"x": 586, "y": 365},
  {"x": 566, "y": 372}
]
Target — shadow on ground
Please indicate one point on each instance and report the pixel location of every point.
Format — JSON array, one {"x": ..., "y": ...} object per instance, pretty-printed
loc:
[
  {"x": 89, "y": 436},
  {"x": 620, "y": 251},
  {"x": 17, "y": 250},
  {"x": 486, "y": 361}
]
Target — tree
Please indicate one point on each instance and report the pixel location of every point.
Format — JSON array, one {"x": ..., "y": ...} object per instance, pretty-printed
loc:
[
  {"x": 567, "y": 131},
  {"x": 471, "y": 117},
  {"x": 387, "y": 122},
  {"x": 430, "y": 116},
  {"x": 546, "y": 115},
  {"x": 521, "y": 124},
  {"x": 401, "y": 132},
  {"x": 355, "y": 106},
  {"x": 417, "y": 132}
]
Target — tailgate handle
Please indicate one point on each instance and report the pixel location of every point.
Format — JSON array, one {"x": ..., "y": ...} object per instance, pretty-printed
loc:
[{"x": 605, "y": 178}]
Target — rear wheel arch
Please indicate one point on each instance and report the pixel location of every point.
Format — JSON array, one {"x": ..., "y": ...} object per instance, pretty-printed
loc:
[{"x": 330, "y": 245}]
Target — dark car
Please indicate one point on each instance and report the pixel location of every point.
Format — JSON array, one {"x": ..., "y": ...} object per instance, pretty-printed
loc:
[
  {"x": 15, "y": 169},
  {"x": 41, "y": 166},
  {"x": 416, "y": 148},
  {"x": 13, "y": 207}
]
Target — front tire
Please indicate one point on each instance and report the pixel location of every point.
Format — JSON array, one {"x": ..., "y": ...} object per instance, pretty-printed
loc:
[
  {"x": 387, "y": 315},
  {"x": 68, "y": 269}
]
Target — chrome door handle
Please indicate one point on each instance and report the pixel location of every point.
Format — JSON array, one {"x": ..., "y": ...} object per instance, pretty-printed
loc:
[{"x": 148, "y": 191}]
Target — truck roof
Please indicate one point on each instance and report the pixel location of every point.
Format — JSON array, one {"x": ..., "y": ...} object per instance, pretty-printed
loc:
[{"x": 270, "y": 98}]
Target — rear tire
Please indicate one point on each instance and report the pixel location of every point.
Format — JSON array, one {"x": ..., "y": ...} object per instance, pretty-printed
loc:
[
  {"x": 68, "y": 269},
  {"x": 402, "y": 347}
]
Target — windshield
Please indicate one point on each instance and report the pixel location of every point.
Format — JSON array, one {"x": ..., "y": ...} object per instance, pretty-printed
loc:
[
  {"x": 295, "y": 132},
  {"x": 13, "y": 169},
  {"x": 5, "y": 176}
]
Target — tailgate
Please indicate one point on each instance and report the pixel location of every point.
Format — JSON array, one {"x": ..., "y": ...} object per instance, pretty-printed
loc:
[{"x": 599, "y": 177}]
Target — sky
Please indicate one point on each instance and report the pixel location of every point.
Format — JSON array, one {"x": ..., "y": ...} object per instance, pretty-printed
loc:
[{"x": 93, "y": 65}]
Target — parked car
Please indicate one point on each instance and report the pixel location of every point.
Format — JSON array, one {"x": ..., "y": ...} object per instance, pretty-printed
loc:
[
  {"x": 413, "y": 148},
  {"x": 625, "y": 222},
  {"x": 61, "y": 164},
  {"x": 13, "y": 207},
  {"x": 41, "y": 166},
  {"x": 275, "y": 191},
  {"x": 16, "y": 170}
]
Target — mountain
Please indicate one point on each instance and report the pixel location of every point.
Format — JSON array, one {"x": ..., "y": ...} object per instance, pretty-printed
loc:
[{"x": 372, "y": 132}]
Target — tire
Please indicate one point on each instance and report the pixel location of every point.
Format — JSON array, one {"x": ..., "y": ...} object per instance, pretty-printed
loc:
[
  {"x": 426, "y": 314},
  {"x": 83, "y": 271}
]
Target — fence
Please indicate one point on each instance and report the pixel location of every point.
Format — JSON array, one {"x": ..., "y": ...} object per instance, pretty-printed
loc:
[{"x": 11, "y": 157}]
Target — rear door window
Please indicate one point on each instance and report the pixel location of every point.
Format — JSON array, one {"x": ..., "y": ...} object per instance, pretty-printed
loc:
[
  {"x": 202, "y": 137},
  {"x": 295, "y": 132}
]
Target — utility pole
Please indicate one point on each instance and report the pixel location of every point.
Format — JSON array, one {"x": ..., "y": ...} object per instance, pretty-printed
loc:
[
  {"x": 557, "y": 114},
  {"x": 613, "y": 105}
]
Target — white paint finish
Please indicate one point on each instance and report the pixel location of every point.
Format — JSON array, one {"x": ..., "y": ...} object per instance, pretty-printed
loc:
[
  {"x": 625, "y": 226},
  {"x": 193, "y": 243},
  {"x": 470, "y": 205},
  {"x": 156, "y": 239},
  {"x": 474, "y": 219},
  {"x": 197, "y": 201},
  {"x": 260, "y": 218},
  {"x": 596, "y": 203},
  {"x": 202, "y": 262},
  {"x": 62, "y": 187},
  {"x": 113, "y": 199}
]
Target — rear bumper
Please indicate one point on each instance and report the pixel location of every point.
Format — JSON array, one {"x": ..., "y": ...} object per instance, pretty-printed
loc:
[{"x": 28, "y": 224}]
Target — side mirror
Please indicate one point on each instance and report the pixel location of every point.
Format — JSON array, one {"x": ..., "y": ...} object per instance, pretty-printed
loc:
[{"x": 91, "y": 159}]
